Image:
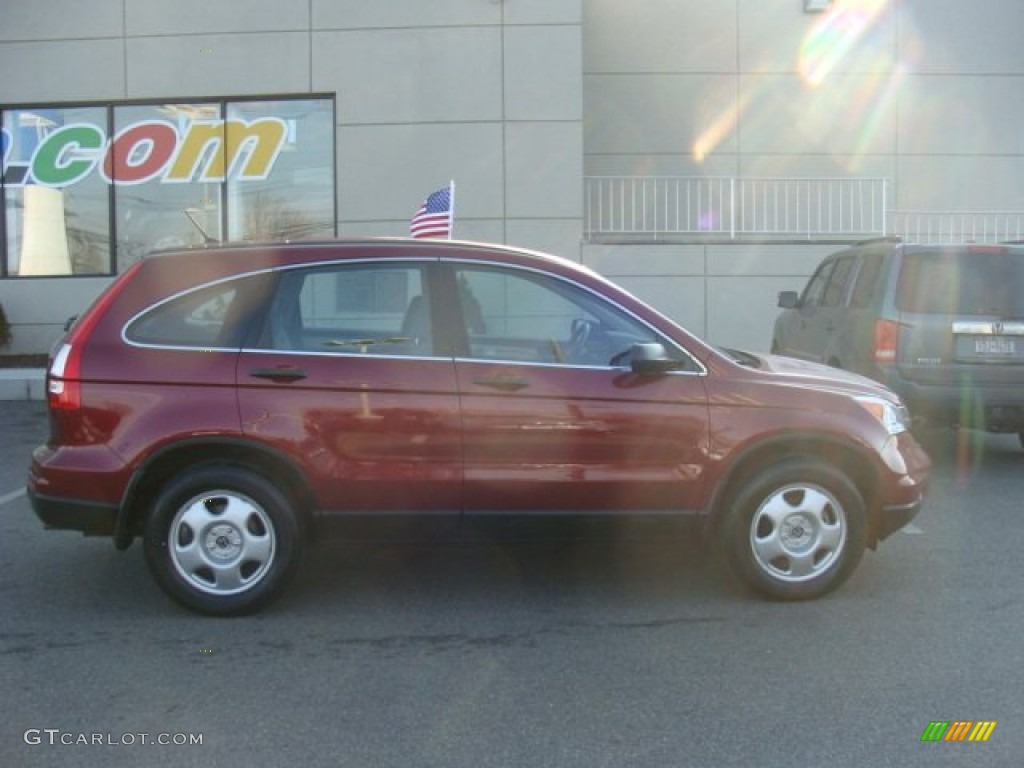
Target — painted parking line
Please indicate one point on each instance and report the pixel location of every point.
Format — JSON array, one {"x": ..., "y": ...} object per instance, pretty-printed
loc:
[
  {"x": 911, "y": 528},
  {"x": 12, "y": 496}
]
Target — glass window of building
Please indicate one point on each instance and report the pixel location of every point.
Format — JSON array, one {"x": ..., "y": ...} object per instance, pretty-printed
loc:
[
  {"x": 292, "y": 197},
  {"x": 89, "y": 190},
  {"x": 56, "y": 208}
]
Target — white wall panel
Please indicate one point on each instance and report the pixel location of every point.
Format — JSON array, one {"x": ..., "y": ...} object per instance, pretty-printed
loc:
[
  {"x": 544, "y": 170},
  {"x": 60, "y": 19},
  {"x": 847, "y": 115},
  {"x": 659, "y": 36},
  {"x": 542, "y": 11},
  {"x": 965, "y": 183},
  {"x": 411, "y": 75},
  {"x": 775, "y": 36},
  {"x": 68, "y": 70},
  {"x": 974, "y": 115},
  {"x": 658, "y": 113},
  {"x": 542, "y": 73},
  {"x": 951, "y": 36},
  {"x": 159, "y": 17},
  {"x": 385, "y": 172},
  {"x": 368, "y": 14},
  {"x": 275, "y": 62}
]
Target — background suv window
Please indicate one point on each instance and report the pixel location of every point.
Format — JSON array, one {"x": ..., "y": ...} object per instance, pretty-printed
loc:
[
  {"x": 867, "y": 280},
  {"x": 835, "y": 292},
  {"x": 815, "y": 291},
  {"x": 352, "y": 309},
  {"x": 962, "y": 282}
]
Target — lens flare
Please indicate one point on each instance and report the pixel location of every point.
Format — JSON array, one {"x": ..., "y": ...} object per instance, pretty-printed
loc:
[{"x": 835, "y": 36}]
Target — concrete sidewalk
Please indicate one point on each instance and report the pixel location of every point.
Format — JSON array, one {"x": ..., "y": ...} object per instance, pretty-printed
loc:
[{"x": 22, "y": 384}]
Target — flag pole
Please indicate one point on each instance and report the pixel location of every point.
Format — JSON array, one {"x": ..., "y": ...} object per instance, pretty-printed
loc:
[{"x": 451, "y": 209}]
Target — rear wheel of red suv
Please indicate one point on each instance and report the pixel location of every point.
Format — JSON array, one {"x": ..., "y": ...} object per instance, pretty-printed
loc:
[
  {"x": 222, "y": 540},
  {"x": 796, "y": 530}
]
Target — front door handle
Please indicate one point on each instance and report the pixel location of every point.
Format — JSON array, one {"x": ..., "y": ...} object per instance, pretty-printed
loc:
[
  {"x": 503, "y": 383},
  {"x": 285, "y": 373}
]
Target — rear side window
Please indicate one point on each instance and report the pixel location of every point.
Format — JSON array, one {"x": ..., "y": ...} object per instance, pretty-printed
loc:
[
  {"x": 962, "y": 282},
  {"x": 215, "y": 316},
  {"x": 867, "y": 281},
  {"x": 365, "y": 309}
]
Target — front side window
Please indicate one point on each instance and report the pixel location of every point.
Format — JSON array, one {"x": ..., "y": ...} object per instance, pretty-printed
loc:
[
  {"x": 526, "y": 317},
  {"x": 352, "y": 309},
  {"x": 815, "y": 292},
  {"x": 835, "y": 292}
]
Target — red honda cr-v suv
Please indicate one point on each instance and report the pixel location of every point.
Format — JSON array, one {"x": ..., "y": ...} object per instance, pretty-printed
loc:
[{"x": 218, "y": 403}]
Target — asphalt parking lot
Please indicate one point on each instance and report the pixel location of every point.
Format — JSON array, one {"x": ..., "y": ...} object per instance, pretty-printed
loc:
[{"x": 616, "y": 650}]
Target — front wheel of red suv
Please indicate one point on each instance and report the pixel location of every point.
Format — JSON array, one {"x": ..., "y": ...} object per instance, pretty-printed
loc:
[
  {"x": 796, "y": 530},
  {"x": 222, "y": 540}
]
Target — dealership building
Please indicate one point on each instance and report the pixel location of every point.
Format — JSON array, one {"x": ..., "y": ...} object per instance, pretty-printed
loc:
[{"x": 703, "y": 153}]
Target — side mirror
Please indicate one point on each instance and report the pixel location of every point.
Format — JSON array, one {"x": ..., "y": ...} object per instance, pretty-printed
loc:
[
  {"x": 789, "y": 299},
  {"x": 651, "y": 359}
]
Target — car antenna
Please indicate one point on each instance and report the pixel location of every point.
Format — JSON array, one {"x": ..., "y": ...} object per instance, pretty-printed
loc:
[{"x": 206, "y": 238}]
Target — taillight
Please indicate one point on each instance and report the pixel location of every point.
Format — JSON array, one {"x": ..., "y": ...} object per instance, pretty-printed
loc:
[
  {"x": 887, "y": 334},
  {"x": 63, "y": 380},
  {"x": 62, "y": 385}
]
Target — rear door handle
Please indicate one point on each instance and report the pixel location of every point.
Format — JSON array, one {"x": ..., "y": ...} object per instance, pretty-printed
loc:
[
  {"x": 503, "y": 383},
  {"x": 285, "y": 373}
]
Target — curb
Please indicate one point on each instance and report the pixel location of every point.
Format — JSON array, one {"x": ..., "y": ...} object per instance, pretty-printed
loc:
[{"x": 22, "y": 383}]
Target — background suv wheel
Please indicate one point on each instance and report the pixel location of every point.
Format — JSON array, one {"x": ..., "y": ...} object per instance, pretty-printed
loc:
[{"x": 222, "y": 540}]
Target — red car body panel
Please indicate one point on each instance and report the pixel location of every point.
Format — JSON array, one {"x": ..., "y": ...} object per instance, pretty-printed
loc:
[{"x": 381, "y": 434}]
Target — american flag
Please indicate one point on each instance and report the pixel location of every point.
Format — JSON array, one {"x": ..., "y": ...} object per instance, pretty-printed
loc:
[{"x": 434, "y": 217}]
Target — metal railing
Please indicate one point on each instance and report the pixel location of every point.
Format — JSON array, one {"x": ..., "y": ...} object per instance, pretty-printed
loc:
[
  {"x": 723, "y": 207},
  {"x": 957, "y": 226}
]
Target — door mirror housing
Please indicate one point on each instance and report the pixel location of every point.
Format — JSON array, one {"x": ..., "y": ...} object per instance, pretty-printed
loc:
[
  {"x": 650, "y": 359},
  {"x": 789, "y": 299}
]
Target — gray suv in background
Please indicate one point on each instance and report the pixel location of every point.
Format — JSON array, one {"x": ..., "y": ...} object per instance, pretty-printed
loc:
[{"x": 943, "y": 326}]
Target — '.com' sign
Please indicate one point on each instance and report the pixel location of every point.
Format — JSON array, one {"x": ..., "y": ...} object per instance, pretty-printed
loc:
[{"x": 203, "y": 150}]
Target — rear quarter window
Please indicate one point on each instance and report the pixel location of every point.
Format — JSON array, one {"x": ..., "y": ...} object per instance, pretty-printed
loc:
[{"x": 215, "y": 316}]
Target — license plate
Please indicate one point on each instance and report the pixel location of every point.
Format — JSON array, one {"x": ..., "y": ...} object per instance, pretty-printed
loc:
[{"x": 995, "y": 346}]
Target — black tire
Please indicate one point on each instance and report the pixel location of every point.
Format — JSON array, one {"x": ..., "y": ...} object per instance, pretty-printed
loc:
[
  {"x": 1020, "y": 437},
  {"x": 795, "y": 531},
  {"x": 222, "y": 540}
]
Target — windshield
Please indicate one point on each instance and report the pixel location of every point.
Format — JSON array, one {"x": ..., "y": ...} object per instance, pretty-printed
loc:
[{"x": 962, "y": 282}]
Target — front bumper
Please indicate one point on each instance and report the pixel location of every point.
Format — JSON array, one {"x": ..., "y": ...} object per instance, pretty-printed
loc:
[
  {"x": 902, "y": 486},
  {"x": 891, "y": 519}
]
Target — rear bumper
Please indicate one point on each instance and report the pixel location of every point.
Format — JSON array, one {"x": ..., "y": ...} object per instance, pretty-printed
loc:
[
  {"x": 89, "y": 517},
  {"x": 967, "y": 403},
  {"x": 76, "y": 489}
]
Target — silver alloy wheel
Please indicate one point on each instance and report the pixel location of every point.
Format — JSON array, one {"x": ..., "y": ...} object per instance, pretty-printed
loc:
[
  {"x": 222, "y": 542},
  {"x": 798, "y": 532}
]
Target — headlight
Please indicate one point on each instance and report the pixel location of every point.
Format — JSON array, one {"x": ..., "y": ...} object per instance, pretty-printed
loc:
[{"x": 895, "y": 418}]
